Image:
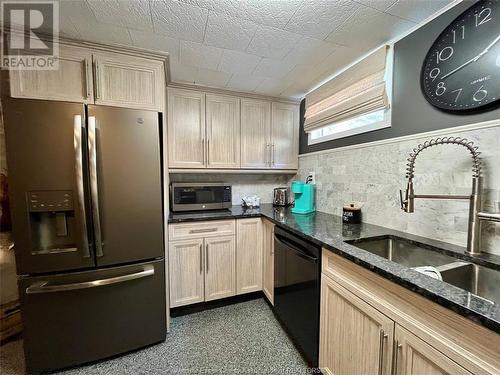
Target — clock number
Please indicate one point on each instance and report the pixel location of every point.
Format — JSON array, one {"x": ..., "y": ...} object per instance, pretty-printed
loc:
[
  {"x": 458, "y": 95},
  {"x": 440, "y": 90},
  {"x": 480, "y": 94},
  {"x": 444, "y": 54},
  {"x": 455, "y": 34},
  {"x": 435, "y": 74},
  {"x": 487, "y": 16}
]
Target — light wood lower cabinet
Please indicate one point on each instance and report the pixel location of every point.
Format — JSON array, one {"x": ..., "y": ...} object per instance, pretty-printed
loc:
[
  {"x": 268, "y": 258},
  {"x": 248, "y": 255},
  {"x": 355, "y": 338},
  {"x": 220, "y": 267},
  {"x": 414, "y": 356},
  {"x": 185, "y": 258}
]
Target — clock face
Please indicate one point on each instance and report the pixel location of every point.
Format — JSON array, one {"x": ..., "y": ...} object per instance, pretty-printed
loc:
[{"x": 461, "y": 71}]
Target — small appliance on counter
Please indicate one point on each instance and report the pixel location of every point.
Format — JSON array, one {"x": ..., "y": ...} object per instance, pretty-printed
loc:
[
  {"x": 352, "y": 213},
  {"x": 199, "y": 196},
  {"x": 281, "y": 197},
  {"x": 250, "y": 201},
  {"x": 304, "y": 197}
]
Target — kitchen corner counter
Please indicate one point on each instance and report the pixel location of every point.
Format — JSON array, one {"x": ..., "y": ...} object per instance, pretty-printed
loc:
[{"x": 329, "y": 232}]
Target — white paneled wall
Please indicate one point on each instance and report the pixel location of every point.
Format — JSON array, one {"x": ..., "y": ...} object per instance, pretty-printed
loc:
[{"x": 374, "y": 175}]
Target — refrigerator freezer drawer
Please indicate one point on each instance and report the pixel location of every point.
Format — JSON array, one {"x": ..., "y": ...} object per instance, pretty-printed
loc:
[{"x": 70, "y": 319}]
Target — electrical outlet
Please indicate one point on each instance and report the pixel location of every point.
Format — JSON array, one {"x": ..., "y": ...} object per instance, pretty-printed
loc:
[{"x": 313, "y": 176}]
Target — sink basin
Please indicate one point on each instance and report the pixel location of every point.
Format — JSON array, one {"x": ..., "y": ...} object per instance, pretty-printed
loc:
[
  {"x": 402, "y": 251},
  {"x": 479, "y": 280}
]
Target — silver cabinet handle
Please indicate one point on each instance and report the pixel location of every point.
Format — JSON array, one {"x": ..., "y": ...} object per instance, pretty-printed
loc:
[
  {"x": 268, "y": 159},
  {"x": 207, "y": 230},
  {"x": 272, "y": 153},
  {"x": 87, "y": 78},
  {"x": 397, "y": 348},
  {"x": 208, "y": 152},
  {"x": 77, "y": 141},
  {"x": 94, "y": 190},
  {"x": 201, "y": 258},
  {"x": 203, "y": 150},
  {"x": 383, "y": 337},
  {"x": 206, "y": 256},
  {"x": 97, "y": 81},
  {"x": 45, "y": 287}
]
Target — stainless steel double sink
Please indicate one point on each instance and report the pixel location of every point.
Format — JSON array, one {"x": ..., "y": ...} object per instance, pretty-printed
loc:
[{"x": 479, "y": 280}]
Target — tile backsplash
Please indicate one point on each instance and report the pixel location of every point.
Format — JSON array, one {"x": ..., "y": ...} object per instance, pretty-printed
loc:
[
  {"x": 242, "y": 184},
  {"x": 373, "y": 174}
]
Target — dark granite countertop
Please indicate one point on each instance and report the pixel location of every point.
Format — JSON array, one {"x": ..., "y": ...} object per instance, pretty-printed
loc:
[{"x": 329, "y": 232}]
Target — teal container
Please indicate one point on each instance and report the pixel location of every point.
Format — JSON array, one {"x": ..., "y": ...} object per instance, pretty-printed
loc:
[{"x": 305, "y": 195}]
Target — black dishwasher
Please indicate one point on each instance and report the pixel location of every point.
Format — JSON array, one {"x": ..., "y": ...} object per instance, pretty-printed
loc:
[{"x": 297, "y": 269}]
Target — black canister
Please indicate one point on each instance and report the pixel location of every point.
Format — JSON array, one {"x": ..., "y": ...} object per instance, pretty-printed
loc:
[{"x": 352, "y": 213}]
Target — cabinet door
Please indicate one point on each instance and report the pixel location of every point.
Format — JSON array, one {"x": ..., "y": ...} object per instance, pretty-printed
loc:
[
  {"x": 285, "y": 136},
  {"x": 355, "y": 338},
  {"x": 415, "y": 357},
  {"x": 186, "y": 129},
  {"x": 268, "y": 277},
  {"x": 248, "y": 255},
  {"x": 255, "y": 133},
  {"x": 127, "y": 81},
  {"x": 71, "y": 82},
  {"x": 223, "y": 131},
  {"x": 220, "y": 267},
  {"x": 185, "y": 260}
]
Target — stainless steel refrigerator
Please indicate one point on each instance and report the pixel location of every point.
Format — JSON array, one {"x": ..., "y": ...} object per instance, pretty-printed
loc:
[{"x": 85, "y": 186}]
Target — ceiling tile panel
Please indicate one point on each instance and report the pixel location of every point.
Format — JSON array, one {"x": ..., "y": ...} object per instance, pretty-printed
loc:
[
  {"x": 157, "y": 42},
  {"x": 229, "y": 32},
  {"x": 271, "y": 42},
  {"x": 271, "y": 86},
  {"x": 208, "y": 77},
  {"x": 134, "y": 14},
  {"x": 179, "y": 20},
  {"x": 416, "y": 10},
  {"x": 100, "y": 32},
  {"x": 182, "y": 73},
  {"x": 238, "y": 62},
  {"x": 318, "y": 18},
  {"x": 273, "y": 68},
  {"x": 199, "y": 55},
  {"x": 310, "y": 51},
  {"x": 246, "y": 83},
  {"x": 381, "y": 5}
]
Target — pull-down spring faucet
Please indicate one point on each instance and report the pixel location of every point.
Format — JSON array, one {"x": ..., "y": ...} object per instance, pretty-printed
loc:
[{"x": 474, "y": 230}]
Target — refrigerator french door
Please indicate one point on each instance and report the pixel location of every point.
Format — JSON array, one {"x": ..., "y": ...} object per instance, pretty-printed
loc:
[{"x": 86, "y": 197}]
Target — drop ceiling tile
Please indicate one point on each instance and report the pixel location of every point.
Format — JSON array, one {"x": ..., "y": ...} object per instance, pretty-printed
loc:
[
  {"x": 199, "y": 55},
  {"x": 238, "y": 62},
  {"x": 229, "y": 32},
  {"x": 182, "y": 73},
  {"x": 271, "y": 86},
  {"x": 134, "y": 14},
  {"x": 276, "y": 13},
  {"x": 369, "y": 27},
  {"x": 100, "y": 32},
  {"x": 271, "y": 42},
  {"x": 208, "y": 77},
  {"x": 246, "y": 83},
  {"x": 310, "y": 51},
  {"x": 416, "y": 10},
  {"x": 157, "y": 42},
  {"x": 381, "y": 5},
  {"x": 179, "y": 20},
  {"x": 318, "y": 18},
  {"x": 273, "y": 68}
]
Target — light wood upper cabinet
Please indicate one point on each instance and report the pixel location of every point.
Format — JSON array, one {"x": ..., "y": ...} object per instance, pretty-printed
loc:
[
  {"x": 220, "y": 267},
  {"x": 355, "y": 338},
  {"x": 268, "y": 271},
  {"x": 248, "y": 255},
  {"x": 128, "y": 81},
  {"x": 284, "y": 136},
  {"x": 186, "y": 129},
  {"x": 255, "y": 134},
  {"x": 223, "y": 131},
  {"x": 71, "y": 82},
  {"x": 186, "y": 269},
  {"x": 415, "y": 357}
]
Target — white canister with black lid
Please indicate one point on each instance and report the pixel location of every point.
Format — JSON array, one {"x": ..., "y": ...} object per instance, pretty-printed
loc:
[{"x": 352, "y": 213}]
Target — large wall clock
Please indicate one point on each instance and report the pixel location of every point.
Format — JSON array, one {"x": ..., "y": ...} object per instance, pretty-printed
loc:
[{"x": 461, "y": 71}]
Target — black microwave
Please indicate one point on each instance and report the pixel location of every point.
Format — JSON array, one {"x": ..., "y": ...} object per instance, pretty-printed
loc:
[{"x": 196, "y": 196}]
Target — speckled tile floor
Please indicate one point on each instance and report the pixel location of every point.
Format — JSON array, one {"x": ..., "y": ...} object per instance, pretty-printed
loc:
[{"x": 244, "y": 338}]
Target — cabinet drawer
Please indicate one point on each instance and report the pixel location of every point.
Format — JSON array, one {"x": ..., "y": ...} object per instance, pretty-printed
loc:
[{"x": 200, "y": 229}]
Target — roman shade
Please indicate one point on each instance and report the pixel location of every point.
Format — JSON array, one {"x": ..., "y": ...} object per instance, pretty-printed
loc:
[{"x": 358, "y": 90}]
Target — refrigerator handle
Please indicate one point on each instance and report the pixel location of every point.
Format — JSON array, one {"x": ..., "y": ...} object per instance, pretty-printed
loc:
[
  {"x": 45, "y": 287},
  {"x": 94, "y": 191},
  {"x": 77, "y": 141}
]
